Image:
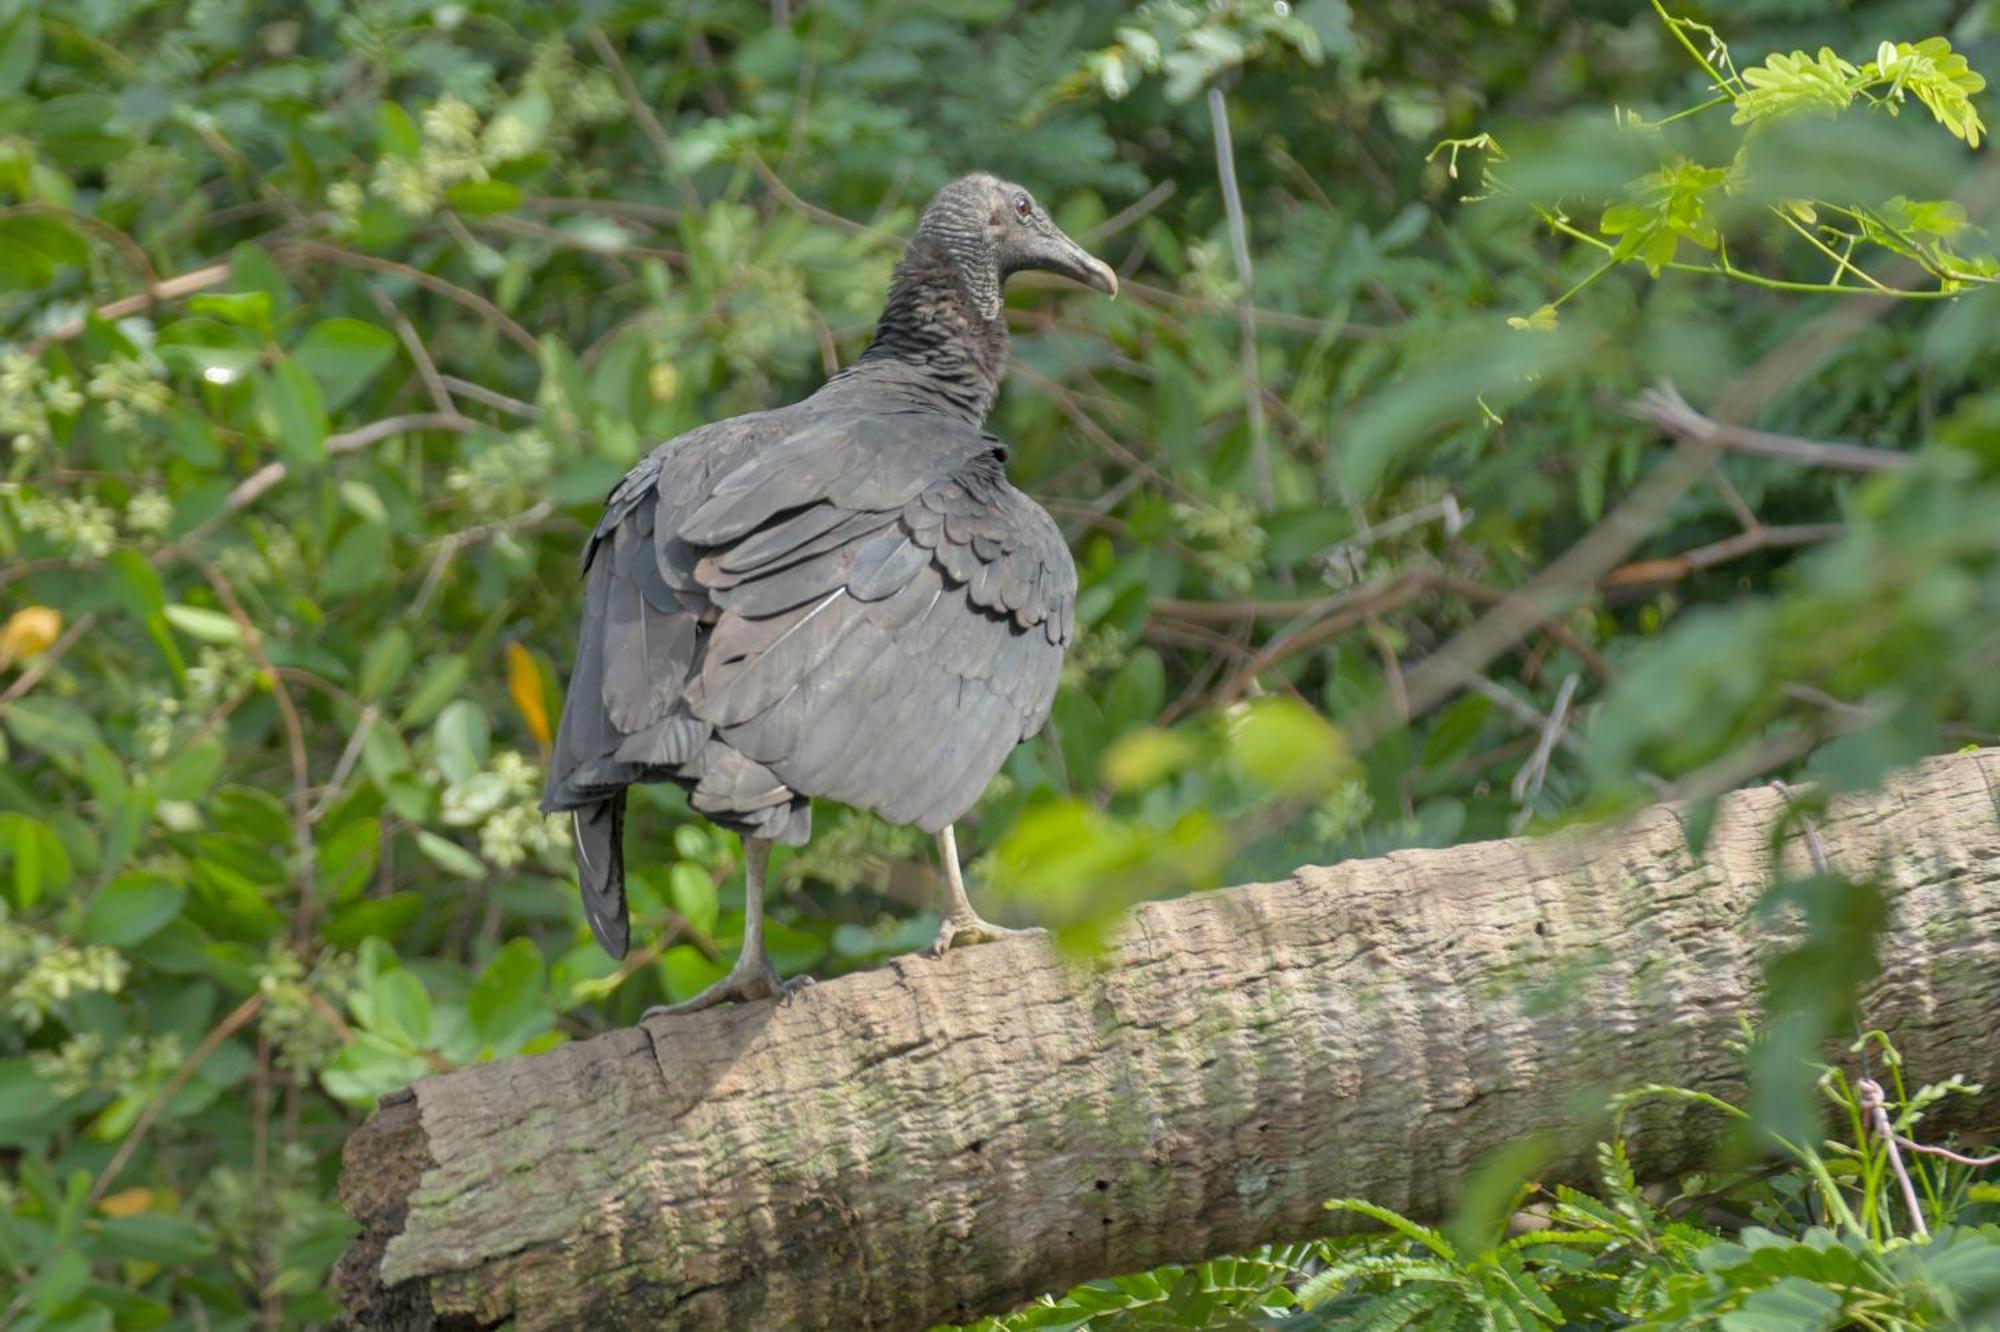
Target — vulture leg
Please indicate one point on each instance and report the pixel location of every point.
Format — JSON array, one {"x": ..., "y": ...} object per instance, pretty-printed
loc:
[
  {"x": 962, "y": 925},
  {"x": 753, "y": 976}
]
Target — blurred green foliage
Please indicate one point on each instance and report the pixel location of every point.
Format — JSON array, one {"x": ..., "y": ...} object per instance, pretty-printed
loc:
[{"x": 325, "y": 327}]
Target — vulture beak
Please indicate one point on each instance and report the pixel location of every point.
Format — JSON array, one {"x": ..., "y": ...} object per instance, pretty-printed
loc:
[{"x": 1057, "y": 253}]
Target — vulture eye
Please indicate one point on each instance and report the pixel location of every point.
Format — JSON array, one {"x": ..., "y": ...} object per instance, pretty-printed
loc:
[{"x": 1023, "y": 207}]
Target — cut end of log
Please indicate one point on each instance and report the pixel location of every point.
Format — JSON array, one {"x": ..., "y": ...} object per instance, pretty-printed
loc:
[{"x": 381, "y": 1165}]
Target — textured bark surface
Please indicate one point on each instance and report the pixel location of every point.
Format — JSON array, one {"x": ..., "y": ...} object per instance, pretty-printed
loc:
[{"x": 936, "y": 1139}]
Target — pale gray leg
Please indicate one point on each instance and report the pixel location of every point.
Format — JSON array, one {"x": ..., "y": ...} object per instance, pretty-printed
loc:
[
  {"x": 753, "y": 976},
  {"x": 962, "y": 925}
]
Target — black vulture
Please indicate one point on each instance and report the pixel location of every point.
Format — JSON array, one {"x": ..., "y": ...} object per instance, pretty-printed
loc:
[{"x": 840, "y": 598}]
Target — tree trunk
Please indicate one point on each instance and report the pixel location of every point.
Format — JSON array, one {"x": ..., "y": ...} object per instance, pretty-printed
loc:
[{"x": 934, "y": 1140}]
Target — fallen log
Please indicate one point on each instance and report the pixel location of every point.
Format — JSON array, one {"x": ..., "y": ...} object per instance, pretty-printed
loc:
[{"x": 933, "y": 1140}]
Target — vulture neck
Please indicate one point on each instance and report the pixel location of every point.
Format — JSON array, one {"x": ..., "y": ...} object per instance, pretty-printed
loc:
[{"x": 935, "y": 344}]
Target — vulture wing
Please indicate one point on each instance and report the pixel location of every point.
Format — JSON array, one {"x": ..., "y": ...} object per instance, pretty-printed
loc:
[{"x": 851, "y": 604}]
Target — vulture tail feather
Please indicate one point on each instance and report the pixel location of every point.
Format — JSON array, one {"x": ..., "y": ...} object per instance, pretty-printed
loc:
[{"x": 600, "y": 870}]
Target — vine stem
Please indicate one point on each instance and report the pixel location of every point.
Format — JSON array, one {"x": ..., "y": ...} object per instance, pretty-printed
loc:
[{"x": 1674, "y": 26}]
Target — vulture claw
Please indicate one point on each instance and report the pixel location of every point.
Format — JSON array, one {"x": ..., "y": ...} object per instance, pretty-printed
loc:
[
  {"x": 969, "y": 929},
  {"x": 747, "y": 981}
]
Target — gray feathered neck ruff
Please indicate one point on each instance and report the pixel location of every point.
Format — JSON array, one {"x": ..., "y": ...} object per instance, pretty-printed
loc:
[{"x": 942, "y": 337}]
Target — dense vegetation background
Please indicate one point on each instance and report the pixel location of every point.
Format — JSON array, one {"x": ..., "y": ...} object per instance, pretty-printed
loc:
[{"x": 325, "y": 327}]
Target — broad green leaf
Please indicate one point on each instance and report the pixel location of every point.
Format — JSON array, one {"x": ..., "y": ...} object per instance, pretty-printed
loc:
[
  {"x": 462, "y": 736},
  {"x": 450, "y": 856},
  {"x": 476, "y": 198},
  {"x": 343, "y": 355},
  {"x": 298, "y": 411},
  {"x": 210, "y": 626},
  {"x": 20, "y": 45},
  {"x": 130, "y": 909},
  {"x": 507, "y": 1004},
  {"x": 402, "y": 1008},
  {"x": 360, "y": 561}
]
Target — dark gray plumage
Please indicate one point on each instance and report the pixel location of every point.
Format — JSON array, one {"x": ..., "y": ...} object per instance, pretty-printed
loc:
[{"x": 842, "y": 598}]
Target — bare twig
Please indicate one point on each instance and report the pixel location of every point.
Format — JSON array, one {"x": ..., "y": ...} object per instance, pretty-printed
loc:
[
  {"x": 223, "y": 1030},
  {"x": 499, "y": 402},
  {"x": 1663, "y": 406},
  {"x": 348, "y": 758},
  {"x": 784, "y": 195},
  {"x": 1131, "y": 213},
  {"x": 171, "y": 289},
  {"x": 1758, "y": 538},
  {"x": 252, "y": 487},
  {"x": 1528, "y": 781},
  {"x": 420, "y": 354},
  {"x": 431, "y": 282},
  {"x": 449, "y": 545},
  {"x": 1239, "y": 245},
  {"x": 649, "y": 124}
]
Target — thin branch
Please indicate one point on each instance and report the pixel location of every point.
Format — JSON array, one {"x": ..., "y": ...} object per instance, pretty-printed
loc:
[
  {"x": 471, "y": 300},
  {"x": 1528, "y": 781},
  {"x": 785, "y": 196},
  {"x": 1239, "y": 245},
  {"x": 1131, "y": 213},
  {"x": 223, "y": 1030},
  {"x": 1663, "y": 406},
  {"x": 1674, "y": 567},
  {"x": 253, "y": 486},
  {"x": 649, "y": 124},
  {"x": 420, "y": 354},
  {"x": 499, "y": 402},
  {"x": 172, "y": 289}
]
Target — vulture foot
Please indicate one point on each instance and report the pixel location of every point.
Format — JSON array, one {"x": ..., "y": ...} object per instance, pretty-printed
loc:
[
  {"x": 749, "y": 980},
  {"x": 968, "y": 929}
]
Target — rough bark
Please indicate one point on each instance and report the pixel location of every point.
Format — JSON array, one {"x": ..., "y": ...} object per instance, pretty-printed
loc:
[{"x": 936, "y": 1139}]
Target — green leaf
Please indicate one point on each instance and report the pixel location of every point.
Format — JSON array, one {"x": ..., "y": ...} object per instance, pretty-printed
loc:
[
  {"x": 20, "y": 47},
  {"x": 450, "y": 856},
  {"x": 386, "y": 662},
  {"x": 477, "y": 198},
  {"x": 131, "y": 909},
  {"x": 298, "y": 412},
  {"x": 507, "y": 1005},
  {"x": 343, "y": 355},
  {"x": 1786, "y": 85},
  {"x": 692, "y": 894},
  {"x": 360, "y": 561},
  {"x": 396, "y": 134},
  {"x": 685, "y": 972},
  {"x": 209, "y": 626},
  {"x": 442, "y": 681},
  {"x": 51, "y": 725},
  {"x": 150, "y": 1237},
  {"x": 191, "y": 771},
  {"x": 36, "y": 247},
  {"x": 401, "y": 1008},
  {"x": 1793, "y": 1304},
  {"x": 462, "y": 736},
  {"x": 41, "y": 861},
  {"x": 24, "y": 1093},
  {"x": 1283, "y": 745},
  {"x": 245, "y": 309}
]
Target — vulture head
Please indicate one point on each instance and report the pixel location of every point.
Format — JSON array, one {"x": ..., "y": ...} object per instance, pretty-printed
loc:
[{"x": 990, "y": 229}]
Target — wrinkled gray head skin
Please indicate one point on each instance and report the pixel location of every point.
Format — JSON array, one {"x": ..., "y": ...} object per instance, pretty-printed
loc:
[{"x": 992, "y": 229}]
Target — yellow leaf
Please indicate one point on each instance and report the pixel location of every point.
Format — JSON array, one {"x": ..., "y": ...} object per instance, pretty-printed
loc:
[
  {"x": 29, "y": 631},
  {"x": 126, "y": 1202},
  {"x": 524, "y": 686}
]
